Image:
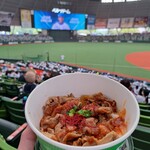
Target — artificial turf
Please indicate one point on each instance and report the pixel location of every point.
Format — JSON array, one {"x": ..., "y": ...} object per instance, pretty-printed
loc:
[{"x": 104, "y": 56}]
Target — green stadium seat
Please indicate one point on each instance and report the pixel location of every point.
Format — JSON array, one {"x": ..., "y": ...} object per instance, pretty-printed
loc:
[
  {"x": 15, "y": 110},
  {"x": 2, "y": 89},
  {"x": 144, "y": 106},
  {"x": 144, "y": 121},
  {"x": 142, "y": 133},
  {"x": 4, "y": 145},
  {"x": 137, "y": 148},
  {"x": 17, "y": 119},
  {"x": 4, "y": 77},
  {"x": 12, "y": 89},
  {"x": 140, "y": 144},
  {"x": 3, "y": 111},
  {"x": 145, "y": 112},
  {"x": 6, "y": 129},
  {"x": 14, "y": 104},
  {"x": 19, "y": 112},
  {"x": 141, "y": 138}
]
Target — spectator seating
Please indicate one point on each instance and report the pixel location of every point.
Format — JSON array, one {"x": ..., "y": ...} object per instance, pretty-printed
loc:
[
  {"x": 15, "y": 110},
  {"x": 2, "y": 88},
  {"x": 138, "y": 37},
  {"x": 3, "y": 112},
  {"x": 11, "y": 89},
  {"x": 25, "y": 38},
  {"x": 4, "y": 145},
  {"x": 141, "y": 138},
  {"x": 144, "y": 106},
  {"x": 47, "y": 69},
  {"x": 8, "y": 128},
  {"x": 144, "y": 121},
  {"x": 145, "y": 115},
  {"x": 145, "y": 112}
]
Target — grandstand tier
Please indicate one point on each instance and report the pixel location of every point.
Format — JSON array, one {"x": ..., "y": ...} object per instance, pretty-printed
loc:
[{"x": 41, "y": 39}]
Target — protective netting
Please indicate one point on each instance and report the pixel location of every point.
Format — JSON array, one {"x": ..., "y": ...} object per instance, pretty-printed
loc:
[{"x": 37, "y": 58}]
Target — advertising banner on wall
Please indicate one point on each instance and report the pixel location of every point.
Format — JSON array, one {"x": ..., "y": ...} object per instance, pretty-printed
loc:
[
  {"x": 6, "y": 18},
  {"x": 127, "y": 22},
  {"x": 91, "y": 20},
  {"x": 100, "y": 23},
  {"x": 25, "y": 18},
  {"x": 141, "y": 22},
  {"x": 113, "y": 23}
]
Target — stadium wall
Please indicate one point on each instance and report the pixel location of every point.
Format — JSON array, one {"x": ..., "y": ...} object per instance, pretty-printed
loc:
[{"x": 105, "y": 10}]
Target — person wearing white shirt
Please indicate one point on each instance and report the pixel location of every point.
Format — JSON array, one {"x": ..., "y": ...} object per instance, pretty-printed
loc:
[
  {"x": 143, "y": 96},
  {"x": 60, "y": 24},
  {"x": 140, "y": 99}
]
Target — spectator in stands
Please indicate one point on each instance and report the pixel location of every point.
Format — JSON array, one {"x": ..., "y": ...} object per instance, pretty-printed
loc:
[
  {"x": 126, "y": 83},
  {"x": 146, "y": 94},
  {"x": 22, "y": 77},
  {"x": 30, "y": 78},
  {"x": 46, "y": 75},
  {"x": 13, "y": 74},
  {"x": 17, "y": 74},
  {"x": 8, "y": 73},
  {"x": 54, "y": 74},
  {"x": 136, "y": 90},
  {"x": 141, "y": 91},
  {"x": 38, "y": 79},
  {"x": 142, "y": 97}
]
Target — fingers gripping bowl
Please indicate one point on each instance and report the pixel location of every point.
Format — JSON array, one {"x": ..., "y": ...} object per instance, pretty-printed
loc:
[{"x": 80, "y": 84}]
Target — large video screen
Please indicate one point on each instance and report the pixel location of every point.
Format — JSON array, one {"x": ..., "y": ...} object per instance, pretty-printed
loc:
[{"x": 60, "y": 21}]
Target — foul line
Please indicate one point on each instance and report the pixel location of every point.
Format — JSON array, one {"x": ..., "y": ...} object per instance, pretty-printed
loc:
[
  {"x": 106, "y": 71},
  {"x": 109, "y": 65}
]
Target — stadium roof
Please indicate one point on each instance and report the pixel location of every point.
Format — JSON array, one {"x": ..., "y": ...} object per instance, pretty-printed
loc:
[{"x": 102, "y": 10}]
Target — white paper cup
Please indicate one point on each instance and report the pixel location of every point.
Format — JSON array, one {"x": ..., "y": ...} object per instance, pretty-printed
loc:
[{"x": 79, "y": 84}]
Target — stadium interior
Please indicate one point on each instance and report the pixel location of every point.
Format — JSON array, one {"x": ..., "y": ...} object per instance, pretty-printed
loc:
[{"x": 42, "y": 39}]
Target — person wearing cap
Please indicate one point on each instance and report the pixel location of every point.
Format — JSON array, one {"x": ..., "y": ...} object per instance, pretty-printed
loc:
[{"x": 60, "y": 24}]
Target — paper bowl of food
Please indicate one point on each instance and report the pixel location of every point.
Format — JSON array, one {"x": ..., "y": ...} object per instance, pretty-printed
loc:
[{"x": 80, "y": 111}]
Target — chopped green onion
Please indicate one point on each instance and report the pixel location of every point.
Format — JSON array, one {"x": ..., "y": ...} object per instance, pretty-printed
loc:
[
  {"x": 85, "y": 113},
  {"x": 72, "y": 111}
]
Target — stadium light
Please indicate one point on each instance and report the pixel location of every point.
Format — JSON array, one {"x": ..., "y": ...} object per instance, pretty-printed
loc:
[
  {"x": 132, "y": 0},
  {"x": 106, "y": 1},
  {"x": 116, "y": 1},
  {"x": 64, "y": 2}
]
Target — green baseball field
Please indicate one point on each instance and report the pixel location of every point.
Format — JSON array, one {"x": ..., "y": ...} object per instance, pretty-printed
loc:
[{"x": 127, "y": 59}]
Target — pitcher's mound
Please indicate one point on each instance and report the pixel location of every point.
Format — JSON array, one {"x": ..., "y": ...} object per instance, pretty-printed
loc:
[{"x": 139, "y": 59}]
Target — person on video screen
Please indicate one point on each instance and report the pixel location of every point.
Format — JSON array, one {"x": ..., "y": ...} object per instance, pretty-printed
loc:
[{"x": 60, "y": 24}]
